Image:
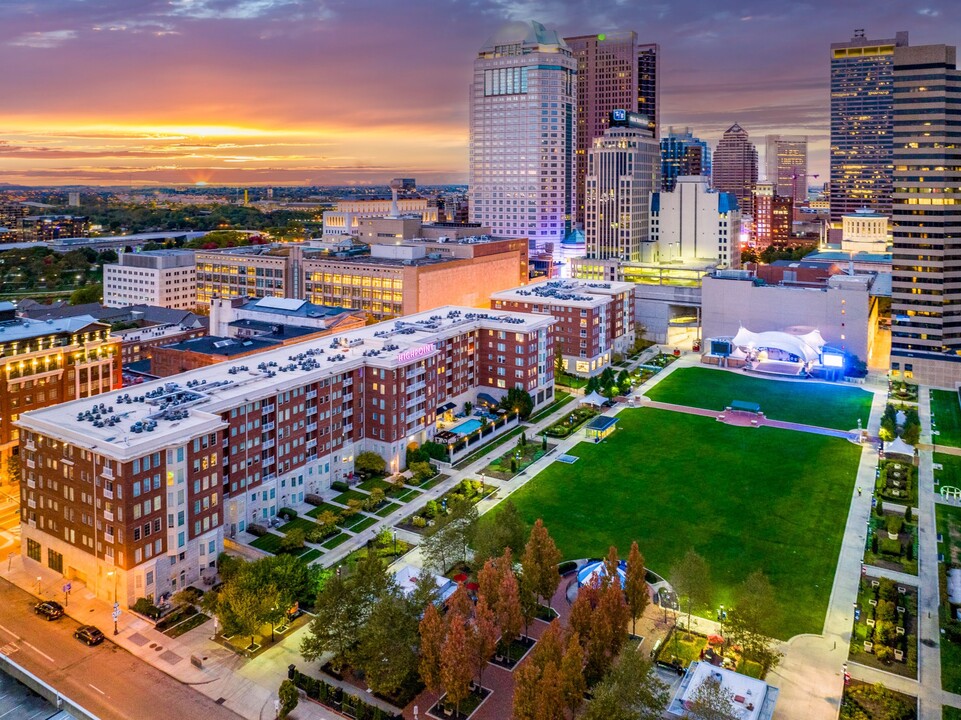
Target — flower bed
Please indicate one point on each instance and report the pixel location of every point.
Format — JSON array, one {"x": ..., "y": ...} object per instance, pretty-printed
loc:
[
  {"x": 890, "y": 553},
  {"x": 885, "y": 633},
  {"x": 862, "y": 701},
  {"x": 897, "y": 482},
  {"x": 569, "y": 423},
  {"x": 473, "y": 490}
]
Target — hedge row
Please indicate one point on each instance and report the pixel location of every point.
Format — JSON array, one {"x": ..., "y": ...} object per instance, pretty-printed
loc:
[{"x": 335, "y": 698}]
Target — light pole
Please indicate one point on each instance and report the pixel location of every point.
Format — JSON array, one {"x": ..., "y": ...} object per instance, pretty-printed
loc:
[
  {"x": 395, "y": 543},
  {"x": 112, "y": 574},
  {"x": 38, "y": 585}
]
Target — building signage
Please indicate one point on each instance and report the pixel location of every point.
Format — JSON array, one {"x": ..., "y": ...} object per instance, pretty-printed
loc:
[{"x": 417, "y": 352}]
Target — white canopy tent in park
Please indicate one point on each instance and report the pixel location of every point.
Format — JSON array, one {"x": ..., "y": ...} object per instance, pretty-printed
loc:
[
  {"x": 898, "y": 447},
  {"x": 806, "y": 346},
  {"x": 595, "y": 398},
  {"x": 407, "y": 576}
]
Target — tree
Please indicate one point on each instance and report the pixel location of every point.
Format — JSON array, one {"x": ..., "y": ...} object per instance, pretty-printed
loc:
[
  {"x": 509, "y": 612},
  {"x": 624, "y": 381},
  {"x": 370, "y": 463},
  {"x": 293, "y": 540},
  {"x": 289, "y": 696},
  {"x": 422, "y": 471},
  {"x": 377, "y": 496},
  {"x": 456, "y": 668},
  {"x": 91, "y": 293},
  {"x": 593, "y": 385},
  {"x": 327, "y": 520},
  {"x": 630, "y": 691},
  {"x": 448, "y": 540},
  {"x": 519, "y": 401},
  {"x": 753, "y": 618},
  {"x": 387, "y": 651},
  {"x": 336, "y": 624},
  {"x": 483, "y": 638},
  {"x": 248, "y": 605},
  {"x": 354, "y": 506},
  {"x": 538, "y": 689},
  {"x": 425, "y": 593},
  {"x": 539, "y": 562},
  {"x": 608, "y": 627},
  {"x": 635, "y": 586},
  {"x": 573, "y": 684},
  {"x": 432, "y": 632},
  {"x": 691, "y": 580},
  {"x": 711, "y": 701}
]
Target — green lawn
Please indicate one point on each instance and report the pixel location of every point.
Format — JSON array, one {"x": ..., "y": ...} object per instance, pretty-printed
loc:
[
  {"x": 811, "y": 403},
  {"x": 387, "y": 510},
  {"x": 744, "y": 498},
  {"x": 350, "y": 495},
  {"x": 268, "y": 543},
  {"x": 336, "y": 540},
  {"x": 950, "y": 472},
  {"x": 407, "y": 496},
  {"x": 373, "y": 483},
  {"x": 950, "y": 713},
  {"x": 301, "y": 523},
  {"x": 946, "y": 415},
  {"x": 364, "y": 523},
  {"x": 316, "y": 511}
]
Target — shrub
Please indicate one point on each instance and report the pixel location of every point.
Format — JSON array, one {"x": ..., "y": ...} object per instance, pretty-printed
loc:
[
  {"x": 907, "y": 514},
  {"x": 419, "y": 522},
  {"x": 339, "y": 486},
  {"x": 887, "y": 590},
  {"x": 318, "y": 534},
  {"x": 879, "y": 508},
  {"x": 370, "y": 463},
  {"x": 566, "y": 567},
  {"x": 430, "y": 509},
  {"x": 294, "y": 540},
  {"x": 287, "y": 512},
  {"x": 895, "y": 523},
  {"x": 315, "y": 500},
  {"x": 874, "y": 543},
  {"x": 890, "y": 547},
  {"x": 885, "y": 611},
  {"x": 910, "y": 551},
  {"x": 255, "y": 529},
  {"x": 883, "y": 653},
  {"x": 145, "y": 607},
  {"x": 434, "y": 450}
]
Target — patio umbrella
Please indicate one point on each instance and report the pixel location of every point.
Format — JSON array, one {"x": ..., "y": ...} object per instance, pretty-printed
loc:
[
  {"x": 715, "y": 640},
  {"x": 472, "y": 586},
  {"x": 460, "y": 577}
]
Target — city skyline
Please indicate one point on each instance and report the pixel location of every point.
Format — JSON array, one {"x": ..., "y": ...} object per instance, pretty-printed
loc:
[{"x": 261, "y": 92}]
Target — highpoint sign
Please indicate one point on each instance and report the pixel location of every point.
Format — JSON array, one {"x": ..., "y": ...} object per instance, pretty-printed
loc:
[{"x": 417, "y": 352}]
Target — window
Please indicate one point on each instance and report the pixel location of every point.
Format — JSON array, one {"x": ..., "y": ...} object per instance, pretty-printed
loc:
[
  {"x": 55, "y": 560},
  {"x": 33, "y": 550}
]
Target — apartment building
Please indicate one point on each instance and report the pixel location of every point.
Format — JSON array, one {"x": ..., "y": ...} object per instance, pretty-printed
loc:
[
  {"x": 134, "y": 492},
  {"x": 595, "y": 320},
  {"x": 46, "y": 362}
]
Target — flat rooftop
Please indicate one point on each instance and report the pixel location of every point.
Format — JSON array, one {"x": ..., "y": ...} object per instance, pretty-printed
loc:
[
  {"x": 221, "y": 346},
  {"x": 574, "y": 293},
  {"x": 289, "y": 307},
  {"x": 127, "y": 423},
  {"x": 753, "y": 699}
]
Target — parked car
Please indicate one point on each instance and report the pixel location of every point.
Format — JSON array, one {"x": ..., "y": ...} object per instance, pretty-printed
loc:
[
  {"x": 89, "y": 634},
  {"x": 49, "y": 609}
]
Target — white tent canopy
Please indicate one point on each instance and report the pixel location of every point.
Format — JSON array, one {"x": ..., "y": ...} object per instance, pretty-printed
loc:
[
  {"x": 595, "y": 398},
  {"x": 898, "y": 447},
  {"x": 807, "y": 347}
]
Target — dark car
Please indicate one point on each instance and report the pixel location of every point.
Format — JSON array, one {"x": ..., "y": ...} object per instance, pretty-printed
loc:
[
  {"x": 49, "y": 609},
  {"x": 89, "y": 634}
]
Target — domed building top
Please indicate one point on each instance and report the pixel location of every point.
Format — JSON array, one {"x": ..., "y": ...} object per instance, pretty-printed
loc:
[{"x": 521, "y": 32}]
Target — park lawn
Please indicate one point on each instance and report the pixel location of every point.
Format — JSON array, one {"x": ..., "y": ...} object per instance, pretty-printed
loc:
[
  {"x": 268, "y": 543},
  {"x": 364, "y": 523},
  {"x": 387, "y": 510},
  {"x": 950, "y": 713},
  {"x": 298, "y": 523},
  {"x": 375, "y": 483},
  {"x": 407, "y": 496},
  {"x": 336, "y": 540},
  {"x": 351, "y": 495},
  {"x": 946, "y": 413},
  {"x": 316, "y": 511},
  {"x": 744, "y": 498},
  {"x": 810, "y": 403},
  {"x": 309, "y": 556},
  {"x": 950, "y": 472}
]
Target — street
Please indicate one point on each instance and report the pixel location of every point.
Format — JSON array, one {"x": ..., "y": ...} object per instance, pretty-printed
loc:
[{"x": 106, "y": 680}]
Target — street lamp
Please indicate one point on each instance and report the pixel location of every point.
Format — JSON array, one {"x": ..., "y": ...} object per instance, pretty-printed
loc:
[
  {"x": 112, "y": 574},
  {"x": 395, "y": 542}
]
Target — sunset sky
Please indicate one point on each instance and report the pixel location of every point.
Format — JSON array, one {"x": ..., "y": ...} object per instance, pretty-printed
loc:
[{"x": 148, "y": 92}]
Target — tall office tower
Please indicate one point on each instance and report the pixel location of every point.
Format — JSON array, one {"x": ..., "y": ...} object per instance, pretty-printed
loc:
[
  {"x": 861, "y": 121},
  {"x": 682, "y": 154},
  {"x": 613, "y": 72},
  {"x": 772, "y": 215},
  {"x": 786, "y": 159},
  {"x": 522, "y": 135},
  {"x": 623, "y": 168},
  {"x": 926, "y": 273},
  {"x": 735, "y": 167}
]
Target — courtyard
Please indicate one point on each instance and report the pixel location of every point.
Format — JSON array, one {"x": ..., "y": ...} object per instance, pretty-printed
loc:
[
  {"x": 745, "y": 499},
  {"x": 808, "y": 402}
]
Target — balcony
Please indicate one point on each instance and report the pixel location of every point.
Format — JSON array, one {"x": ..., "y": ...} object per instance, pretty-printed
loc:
[
  {"x": 311, "y": 394},
  {"x": 106, "y": 472},
  {"x": 108, "y": 537},
  {"x": 311, "y": 444},
  {"x": 31, "y": 483},
  {"x": 107, "y": 494},
  {"x": 348, "y": 427},
  {"x": 29, "y": 445},
  {"x": 267, "y": 427},
  {"x": 269, "y": 408},
  {"x": 269, "y": 460},
  {"x": 416, "y": 386},
  {"x": 31, "y": 463},
  {"x": 311, "y": 410},
  {"x": 31, "y": 503},
  {"x": 267, "y": 444},
  {"x": 108, "y": 515},
  {"x": 311, "y": 427},
  {"x": 348, "y": 397}
]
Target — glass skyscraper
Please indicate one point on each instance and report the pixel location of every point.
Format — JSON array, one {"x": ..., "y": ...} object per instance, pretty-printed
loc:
[
  {"x": 522, "y": 135},
  {"x": 861, "y": 120},
  {"x": 683, "y": 154}
]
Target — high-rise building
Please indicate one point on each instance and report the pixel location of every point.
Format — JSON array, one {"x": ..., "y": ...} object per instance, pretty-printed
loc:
[
  {"x": 613, "y": 72},
  {"x": 926, "y": 272},
  {"x": 682, "y": 154},
  {"x": 786, "y": 160},
  {"x": 622, "y": 173},
  {"x": 694, "y": 223},
  {"x": 523, "y": 135},
  {"x": 772, "y": 215},
  {"x": 735, "y": 167},
  {"x": 165, "y": 278},
  {"x": 861, "y": 123}
]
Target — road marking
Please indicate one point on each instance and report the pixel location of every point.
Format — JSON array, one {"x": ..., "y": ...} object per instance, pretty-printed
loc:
[
  {"x": 39, "y": 651},
  {"x": 8, "y": 649},
  {"x": 97, "y": 689},
  {"x": 10, "y": 632}
]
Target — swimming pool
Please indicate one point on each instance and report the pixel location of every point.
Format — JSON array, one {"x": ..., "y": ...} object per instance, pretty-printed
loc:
[{"x": 467, "y": 427}]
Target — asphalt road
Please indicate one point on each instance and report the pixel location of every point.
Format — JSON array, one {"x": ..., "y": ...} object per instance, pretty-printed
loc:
[{"x": 106, "y": 680}]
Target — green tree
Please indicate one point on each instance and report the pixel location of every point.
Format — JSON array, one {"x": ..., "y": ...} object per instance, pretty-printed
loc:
[
  {"x": 91, "y": 293},
  {"x": 752, "y": 619},
  {"x": 377, "y": 496},
  {"x": 422, "y": 471},
  {"x": 327, "y": 520},
  {"x": 289, "y": 696},
  {"x": 630, "y": 691},
  {"x": 387, "y": 649},
  {"x": 293, "y": 540},
  {"x": 336, "y": 624},
  {"x": 692, "y": 581},
  {"x": 518, "y": 400},
  {"x": 370, "y": 463},
  {"x": 248, "y": 605},
  {"x": 448, "y": 540},
  {"x": 593, "y": 385}
]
